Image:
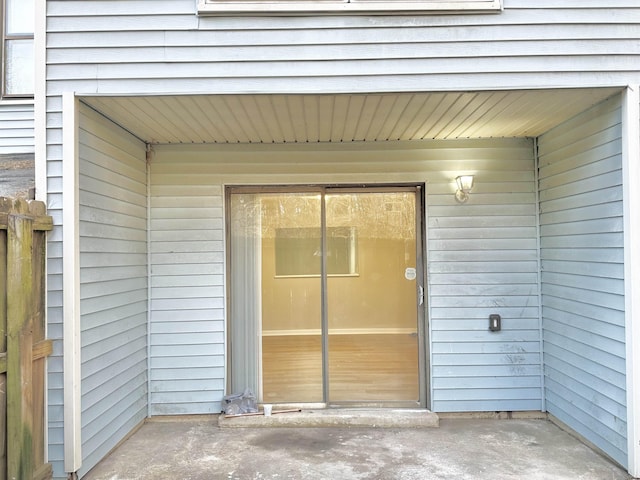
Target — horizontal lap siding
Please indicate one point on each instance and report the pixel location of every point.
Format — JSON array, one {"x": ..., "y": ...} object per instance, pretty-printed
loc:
[
  {"x": 111, "y": 46},
  {"x": 187, "y": 292},
  {"x": 482, "y": 259},
  {"x": 16, "y": 128},
  {"x": 55, "y": 378},
  {"x": 162, "y": 46},
  {"x": 582, "y": 276},
  {"x": 113, "y": 284}
]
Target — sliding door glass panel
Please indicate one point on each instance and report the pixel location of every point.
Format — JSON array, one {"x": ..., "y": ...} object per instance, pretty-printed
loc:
[
  {"x": 372, "y": 305},
  {"x": 278, "y": 316},
  {"x": 291, "y": 298}
]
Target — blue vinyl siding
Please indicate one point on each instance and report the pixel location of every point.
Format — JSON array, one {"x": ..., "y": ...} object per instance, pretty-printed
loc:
[
  {"x": 110, "y": 46},
  {"x": 113, "y": 284},
  {"x": 187, "y": 300},
  {"x": 16, "y": 128},
  {"x": 582, "y": 276},
  {"x": 482, "y": 259},
  {"x": 140, "y": 47}
]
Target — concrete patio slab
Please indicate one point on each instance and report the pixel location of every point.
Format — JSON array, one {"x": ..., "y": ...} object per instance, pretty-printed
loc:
[
  {"x": 330, "y": 417},
  {"x": 462, "y": 448}
]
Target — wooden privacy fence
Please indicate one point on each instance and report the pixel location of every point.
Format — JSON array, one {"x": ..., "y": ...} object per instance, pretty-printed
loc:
[{"x": 23, "y": 347}]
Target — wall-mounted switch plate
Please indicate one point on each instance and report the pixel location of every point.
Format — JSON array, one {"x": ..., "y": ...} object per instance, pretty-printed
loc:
[{"x": 495, "y": 322}]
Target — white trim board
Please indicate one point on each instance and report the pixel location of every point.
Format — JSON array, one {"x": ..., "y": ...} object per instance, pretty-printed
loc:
[
  {"x": 71, "y": 292},
  {"x": 40, "y": 99},
  {"x": 631, "y": 195},
  {"x": 370, "y": 7}
]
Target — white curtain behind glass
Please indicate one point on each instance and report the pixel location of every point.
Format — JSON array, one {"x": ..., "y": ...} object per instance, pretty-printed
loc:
[{"x": 244, "y": 317}]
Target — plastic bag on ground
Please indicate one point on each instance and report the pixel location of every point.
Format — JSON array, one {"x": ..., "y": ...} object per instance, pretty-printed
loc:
[{"x": 239, "y": 403}]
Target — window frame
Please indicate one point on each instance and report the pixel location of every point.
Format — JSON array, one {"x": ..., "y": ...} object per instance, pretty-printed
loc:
[
  {"x": 5, "y": 37},
  {"x": 329, "y": 7}
]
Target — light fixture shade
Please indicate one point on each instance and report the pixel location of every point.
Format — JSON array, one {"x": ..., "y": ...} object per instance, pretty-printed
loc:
[{"x": 465, "y": 183}]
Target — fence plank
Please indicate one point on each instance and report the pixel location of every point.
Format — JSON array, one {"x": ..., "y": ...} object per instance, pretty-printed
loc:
[
  {"x": 23, "y": 347},
  {"x": 3, "y": 349},
  {"x": 44, "y": 472},
  {"x": 19, "y": 344},
  {"x": 41, "y": 347}
]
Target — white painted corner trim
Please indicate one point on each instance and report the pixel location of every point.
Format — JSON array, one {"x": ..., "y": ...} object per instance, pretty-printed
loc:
[
  {"x": 71, "y": 282},
  {"x": 332, "y": 7},
  {"x": 631, "y": 196},
  {"x": 40, "y": 99}
]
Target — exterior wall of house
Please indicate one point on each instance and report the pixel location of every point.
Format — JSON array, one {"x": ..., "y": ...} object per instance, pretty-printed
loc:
[
  {"x": 187, "y": 334},
  {"x": 142, "y": 47},
  {"x": 113, "y": 284},
  {"x": 112, "y": 46},
  {"x": 482, "y": 259},
  {"x": 16, "y": 128},
  {"x": 582, "y": 276}
]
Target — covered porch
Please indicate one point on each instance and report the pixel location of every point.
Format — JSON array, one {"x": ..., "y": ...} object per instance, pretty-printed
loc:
[{"x": 540, "y": 242}]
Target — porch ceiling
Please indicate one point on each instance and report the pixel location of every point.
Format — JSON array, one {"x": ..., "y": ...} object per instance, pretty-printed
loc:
[{"x": 344, "y": 117}]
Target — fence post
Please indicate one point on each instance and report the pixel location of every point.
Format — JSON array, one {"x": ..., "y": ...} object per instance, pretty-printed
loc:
[{"x": 19, "y": 343}]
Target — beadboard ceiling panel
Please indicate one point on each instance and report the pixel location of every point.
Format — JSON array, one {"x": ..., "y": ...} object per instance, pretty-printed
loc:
[{"x": 344, "y": 118}]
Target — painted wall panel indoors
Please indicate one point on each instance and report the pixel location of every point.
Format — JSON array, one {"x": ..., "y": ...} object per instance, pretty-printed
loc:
[
  {"x": 482, "y": 259},
  {"x": 582, "y": 276},
  {"x": 16, "y": 128},
  {"x": 113, "y": 284},
  {"x": 280, "y": 288}
]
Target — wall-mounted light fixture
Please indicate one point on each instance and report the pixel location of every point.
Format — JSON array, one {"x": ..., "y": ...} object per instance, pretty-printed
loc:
[{"x": 465, "y": 184}]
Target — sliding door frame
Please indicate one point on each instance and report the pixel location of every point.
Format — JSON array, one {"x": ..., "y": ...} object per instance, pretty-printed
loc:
[{"x": 421, "y": 279}]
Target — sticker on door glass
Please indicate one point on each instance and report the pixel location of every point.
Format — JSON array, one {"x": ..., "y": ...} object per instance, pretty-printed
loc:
[{"x": 410, "y": 273}]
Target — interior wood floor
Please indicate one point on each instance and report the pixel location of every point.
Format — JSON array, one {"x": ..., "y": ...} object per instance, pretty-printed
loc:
[{"x": 362, "y": 368}]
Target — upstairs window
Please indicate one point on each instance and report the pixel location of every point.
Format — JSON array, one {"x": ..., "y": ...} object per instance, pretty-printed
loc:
[
  {"x": 17, "y": 48},
  {"x": 320, "y": 7}
]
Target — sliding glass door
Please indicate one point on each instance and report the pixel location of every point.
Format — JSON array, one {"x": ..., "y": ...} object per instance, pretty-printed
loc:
[
  {"x": 325, "y": 295},
  {"x": 372, "y": 311}
]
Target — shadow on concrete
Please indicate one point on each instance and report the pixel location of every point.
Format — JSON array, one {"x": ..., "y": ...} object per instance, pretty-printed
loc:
[{"x": 197, "y": 448}]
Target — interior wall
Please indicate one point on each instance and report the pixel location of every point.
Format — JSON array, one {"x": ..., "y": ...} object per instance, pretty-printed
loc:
[
  {"x": 383, "y": 255},
  {"x": 582, "y": 276},
  {"x": 113, "y": 284},
  {"x": 482, "y": 259},
  {"x": 281, "y": 316}
]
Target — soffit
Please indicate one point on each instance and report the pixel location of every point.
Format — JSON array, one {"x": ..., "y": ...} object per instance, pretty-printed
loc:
[{"x": 344, "y": 117}]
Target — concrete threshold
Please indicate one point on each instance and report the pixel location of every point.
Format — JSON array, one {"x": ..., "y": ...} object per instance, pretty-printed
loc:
[{"x": 336, "y": 417}]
